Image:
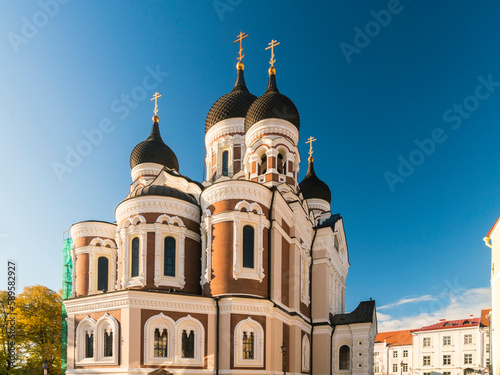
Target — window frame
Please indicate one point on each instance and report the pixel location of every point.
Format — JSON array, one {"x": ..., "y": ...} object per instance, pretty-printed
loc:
[
  {"x": 306, "y": 352},
  {"x": 426, "y": 358},
  {"x": 446, "y": 340},
  {"x": 426, "y": 342},
  {"x": 249, "y": 325},
  {"x": 161, "y": 322},
  {"x": 468, "y": 339},
  {"x": 348, "y": 361},
  {"x": 446, "y": 359},
  {"x": 189, "y": 323},
  {"x": 468, "y": 358}
]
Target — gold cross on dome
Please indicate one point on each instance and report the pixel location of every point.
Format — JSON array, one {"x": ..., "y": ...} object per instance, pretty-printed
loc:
[
  {"x": 310, "y": 140},
  {"x": 155, "y": 98},
  {"x": 240, "y": 39},
  {"x": 271, "y": 45}
]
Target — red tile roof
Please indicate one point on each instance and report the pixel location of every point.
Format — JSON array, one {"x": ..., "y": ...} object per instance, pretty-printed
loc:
[
  {"x": 484, "y": 320},
  {"x": 395, "y": 338},
  {"x": 446, "y": 324}
]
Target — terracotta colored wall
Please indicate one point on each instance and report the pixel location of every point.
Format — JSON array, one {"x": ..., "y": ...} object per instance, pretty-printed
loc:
[
  {"x": 286, "y": 341},
  {"x": 285, "y": 272},
  {"x": 82, "y": 275}
]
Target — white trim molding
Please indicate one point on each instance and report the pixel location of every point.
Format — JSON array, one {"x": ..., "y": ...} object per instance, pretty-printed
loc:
[
  {"x": 88, "y": 326},
  {"x": 159, "y": 322},
  {"x": 249, "y": 326}
]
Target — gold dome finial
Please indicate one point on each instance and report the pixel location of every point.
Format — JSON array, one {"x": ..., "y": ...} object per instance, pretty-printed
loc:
[
  {"x": 310, "y": 140},
  {"x": 241, "y": 36},
  {"x": 155, "y": 98},
  {"x": 274, "y": 43}
]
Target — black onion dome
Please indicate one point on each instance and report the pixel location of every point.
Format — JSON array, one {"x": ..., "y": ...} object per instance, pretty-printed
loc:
[
  {"x": 154, "y": 150},
  {"x": 312, "y": 187},
  {"x": 163, "y": 191},
  {"x": 233, "y": 104},
  {"x": 272, "y": 104}
]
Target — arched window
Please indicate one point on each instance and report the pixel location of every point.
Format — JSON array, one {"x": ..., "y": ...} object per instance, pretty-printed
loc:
[
  {"x": 263, "y": 164},
  {"x": 225, "y": 163},
  {"x": 102, "y": 274},
  {"x": 248, "y": 246},
  {"x": 280, "y": 165},
  {"x": 306, "y": 353},
  {"x": 344, "y": 358},
  {"x": 135, "y": 257},
  {"x": 161, "y": 343},
  {"x": 108, "y": 342},
  {"x": 89, "y": 344},
  {"x": 187, "y": 344},
  {"x": 169, "y": 257},
  {"x": 248, "y": 345}
]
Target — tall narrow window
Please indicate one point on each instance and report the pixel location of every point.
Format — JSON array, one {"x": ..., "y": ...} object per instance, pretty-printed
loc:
[
  {"x": 108, "y": 343},
  {"x": 280, "y": 164},
  {"x": 169, "y": 257},
  {"x": 225, "y": 163},
  {"x": 89, "y": 344},
  {"x": 102, "y": 274},
  {"x": 248, "y": 246},
  {"x": 263, "y": 164},
  {"x": 187, "y": 344},
  {"x": 161, "y": 343},
  {"x": 135, "y": 257},
  {"x": 344, "y": 358},
  {"x": 248, "y": 345}
]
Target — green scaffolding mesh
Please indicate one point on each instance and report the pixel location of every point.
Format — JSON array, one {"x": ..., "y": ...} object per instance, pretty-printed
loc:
[{"x": 67, "y": 289}]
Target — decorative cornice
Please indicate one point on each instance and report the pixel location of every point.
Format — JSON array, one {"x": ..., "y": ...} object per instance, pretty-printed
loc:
[
  {"x": 93, "y": 229},
  {"x": 156, "y": 204},
  {"x": 236, "y": 189},
  {"x": 225, "y": 127},
  {"x": 272, "y": 126},
  {"x": 145, "y": 169}
]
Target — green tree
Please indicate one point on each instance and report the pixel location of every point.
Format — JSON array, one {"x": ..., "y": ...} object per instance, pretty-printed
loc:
[{"x": 39, "y": 324}]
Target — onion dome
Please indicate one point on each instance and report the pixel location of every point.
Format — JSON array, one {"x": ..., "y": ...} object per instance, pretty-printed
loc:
[
  {"x": 233, "y": 104},
  {"x": 312, "y": 187},
  {"x": 154, "y": 150},
  {"x": 272, "y": 104},
  {"x": 163, "y": 191}
]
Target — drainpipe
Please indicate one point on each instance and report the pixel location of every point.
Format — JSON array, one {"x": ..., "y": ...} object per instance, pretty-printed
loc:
[
  {"x": 487, "y": 242},
  {"x": 311, "y": 303},
  {"x": 269, "y": 243},
  {"x": 331, "y": 350},
  {"x": 217, "y": 335}
]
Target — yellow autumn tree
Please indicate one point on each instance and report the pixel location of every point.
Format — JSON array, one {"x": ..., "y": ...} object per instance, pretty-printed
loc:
[
  {"x": 38, "y": 340},
  {"x": 7, "y": 333}
]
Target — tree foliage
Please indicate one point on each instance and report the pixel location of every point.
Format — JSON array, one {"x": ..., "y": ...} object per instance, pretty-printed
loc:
[{"x": 38, "y": 331}]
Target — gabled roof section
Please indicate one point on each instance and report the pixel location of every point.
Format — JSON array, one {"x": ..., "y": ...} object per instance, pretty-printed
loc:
[
  {"x": 484, "y": 322},
  {"x": 395, "y": 338},
  {"x": 364, "y": 313},
  {"x": 493, "y": 227},
  {"x": 449, "y": 324}
]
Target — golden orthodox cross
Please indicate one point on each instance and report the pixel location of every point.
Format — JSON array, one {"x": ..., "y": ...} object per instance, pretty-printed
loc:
[
  {"x": 240, "y": 39},
  {"x": 155, "y": 98},
  {"x": 310, "y": 140},
  {"x": 271, "y": 45}
]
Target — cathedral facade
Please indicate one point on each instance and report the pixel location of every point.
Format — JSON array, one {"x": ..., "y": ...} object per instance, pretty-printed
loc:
[{"x": 241, "y": 274}]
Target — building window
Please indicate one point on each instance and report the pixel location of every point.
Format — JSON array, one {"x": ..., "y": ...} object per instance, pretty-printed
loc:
[
  {"x": 248, "y": 246},
  {"x": 188, "y": 344},
  {"x": 263, "y": 164},
  {"x": 248, "y": 345},
  {"x": 395, "y": 354},
  {"x": 446, "y": 340},
  {"x": 395, "y": 367},
  {"x": 376, "y": 354},
  {"x": 427, "y": 360},
  {"x": 108, "y": 343},
  {"x": 161, "y": 343},
  {"x": 102, "y": 274},
  {"x": 487, "y": 348},
  {"x": 344, "y": 358},
  {"x": 280, "y": 164},
  {"x": 405, "y": 367},
  {"x": 447, "y": 359},
  {"x": 447, "y": 373},
  {"x": 405, "y": 353},
  {"x": 225, "y": 163},
  {"x": 468, "y": 339},
  {"x": 427, "y": 341},
  {"x": 169, "y": 256},
  {"x": 135, "y": 257},
  {"x": 487, "y": 362},
  {"x": 89, "y": 344},
  {"x": 377, "y": 367},
  {"x": 467, "y": 359}
]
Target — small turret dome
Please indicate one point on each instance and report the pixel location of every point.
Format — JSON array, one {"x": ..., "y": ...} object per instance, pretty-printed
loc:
[
  {"x": 154, "y": 150},
  {"x": 272, "y": 104},
  {"x": 233, "y": 104},
  {"x": 312, "y": 187}
]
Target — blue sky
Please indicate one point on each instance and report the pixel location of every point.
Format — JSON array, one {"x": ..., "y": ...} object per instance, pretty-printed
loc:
[{"x": 372, "y": 80}]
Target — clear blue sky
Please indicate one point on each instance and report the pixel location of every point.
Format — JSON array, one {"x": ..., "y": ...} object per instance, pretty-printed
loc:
[{"x": 403, "y": 83}]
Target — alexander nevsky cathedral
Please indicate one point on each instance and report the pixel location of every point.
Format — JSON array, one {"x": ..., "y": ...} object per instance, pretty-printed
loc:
[{"x": 243, "y": 273}]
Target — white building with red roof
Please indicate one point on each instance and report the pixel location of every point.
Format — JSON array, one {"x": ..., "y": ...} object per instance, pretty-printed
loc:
[{"x": 393, "y": 352}]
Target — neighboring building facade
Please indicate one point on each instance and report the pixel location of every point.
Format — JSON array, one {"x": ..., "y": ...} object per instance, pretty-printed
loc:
[
  {"x": 449, "y": 347},
  {"x": 393, "y": 352},
  {"x": 222, "y": 276},
  {"x": 492, "y": 240}
]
